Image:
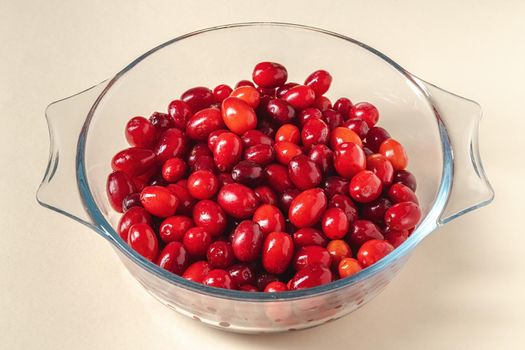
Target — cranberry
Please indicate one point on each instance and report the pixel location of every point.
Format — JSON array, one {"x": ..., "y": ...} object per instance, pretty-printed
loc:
[
  {"x": 264, "y": 279},
  {"x": 174, "y": 169},
  {"x": 307, "y": 208},
  {"x": 312, "y": 255},
  {"x": 300, "y": 96},
  {"x": 373, "y": 251},
  {"x": 171, "y": 143},
  {"x": 345, "y": 204},
  {"x": 267, "y": 127},
  {"x": 269, "y": 74},
  {"x": 255, "y": 137},
  {"x": 248, "y": 94},
  {"x": 366, "y": 112},
  {"x": 348, "y": 267},
  {"x": 248, "y": 173},
  {"x": 375, "y": 210},
  {"x": 133, "y": 161},
  {"x": 406, "y": 178},
  {"x": 159, "y": 201},
  {"x": 269, "y": 218},
  {"x": 197, "y": 271},
  {"x": 130, "y": 201},
  {"x": 322, "y": 103},
  {"x": 338, "y": 250},
  {"x": 280, "y": 111},
  {"x": 203, "y": 184},
  {"x": 314, "y": 131},
  {"x": 186, "y": 201},
  {"x": 335, "y": 223},
  {"x": 174, "y": 258},
  {"x": 360, "y": 127},
  {"x": 135, "y": 215},
  {"x": 311, "y": 276},
  {"x": 349, "y": 159},
  {"x": 203, "y": 123},
  {"x": 241, "y": 274},
  {"x": 362, "y": 231},
  {"x": 196, "y": 241},
  {"x": 323, "y": 157},
  {"x": 395, "y": 153},
  {"x": 308, "y": 114},
  {"x": 282, "y": 90},
  {"x": 288, "y": 132},
  {"x": 308, "y": 236},
  {"x": 261, "y": 154},
  {"x": 248, "y": 288},
  {"x": 275, "y": 287},
  {"x": 220, "y": 254},
  {"x": 221, "y": 92},
  {"x": 303, "y": 172},
  {"x": 396, "y": 238},
  {"x": 341, "y": 135},
  {"x": 244, "y": 83},
  {"x": 219, "y": 279},
  {"x": 210, "y": 216},
  {"x": 403, "y": 216},
  {"x": 173, "y": 228},
  {"x": 333, "y": 118},
  {"x": 198, "y": 98},
  {"x": 379, "y": 165},
  {"x": 270, "y": 92},
  {"x": 247, "y": 241},
  {"x": 277, "y": 177},
  {"x": 142, "y": 239},
  {"x": 238, "y": 116},
  {"x": 343, "y": 106},
  {"x": 140, "y": 132},
  {"x": 287, "y": 196},
  {"x": 265, "y": 195},
  {"x": 225, "y": 178},
  {"x": 161, "y": 121},
  {"x": 213, "y": 138},
  {"x": 375, "y": 137},
  {"x": 118, "y": 186},
  {"x": 237, "y": 200},
  {"x": 401, "y": 193},
  {"x": 335, "y": 185},
  {"x": 228, "y": 151},
  {"x": 319, "y": 81},
  {"x": 365, "y": 186},
  {"x": 277, "y": 252},
  {"x": 180, "y": 113},
  {"x": 285, "y": 151}
]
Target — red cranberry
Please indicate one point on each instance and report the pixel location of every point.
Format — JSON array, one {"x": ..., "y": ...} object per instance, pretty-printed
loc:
[
  {"x": 173, "y": 228},
  {"x": 213, "y": 138},
  {"x": 203, "y": 123},
  {"x": 365, "y": 187},
  {"x": 277, "y": 252},
  {"x": 174, "y": 258},
  {"x": 267, "y": 127},
  {"x": 238, "y": 116},
  {"x": 197, "y": 151},
  {"x": 133, "y": 161},
  {"x": 322, "y": 103},
  {"x": 300, "y": 96},
  {"x": 197, "y": 271},
  {"x": 375, "y": 137},
  {"x": 161, "y": 121},
  {"x": 360, "y": 127},
  {"x": 159, "y": 201},
  {"x": 264, "y": 279},
  {"x": 311, "y": 255},
  {"x": 186, "y": 201},
  {"x": 180, "y": 113},
  {"x": 343, "y": 106},
  {"x": 285, "y": 151},
  {"x": 275, "y": 287},
  {"x": 362, "y": 231},
  {"x": 307, "y": 208},
  {"x": 255, "y": 137},
  {"x": 140, "y": 132},
  {"x": 333, "y": 118},
  {"x": 142, "y": 239},
  {"x": 308, "y": 236},
  {"x": 248, "y": 94},
  {"x": 403, "y": 216},
  {"x": 248, "y": 288},
  {"x": 269, "y": 74},
  {"x": 287, "y": 196},
  {"x": 241, "y": 274},
  {"x": 341, "y": 135},
  {"x": 203, "y": 184},
  {"x": 280, "y": 111},
  {"x": 198, "y": 98},
  {"x": 288, "y": 132},
  {"x": 237, "y": 200},
  {"x": 247, "y": 241},
  {"x": 366, "y": 112},
  {"x": 248, "y": 173},
  {"x": 135, "y": 215},
  {"x": 335, "y": 223},
  {"x": 219, "y": 279},
  {"x": 319, "y": 81},
  {"x": 174, "y": 169},
  {"x": 228, "y": 151},
  {"x": 406, "y": 178},
  {"x": 244, "y": 83},
  {"x": 221, "y": 92},
  {"x": 314, "y": 131},
  {"x": 220, "y": 254},
  {"x": 311, "y": 276},
  {"x": 210, "y": 216},
  {"x": 277, "y": 177},
  {"x": 282, "y": 90},
  {"x": 303, "y": 172},
  {"x": 265, "y": 195},
  {"x": 118, "y": 186},
  {"x": 130, "y": 201},
  {"x": 335, "y": 185},
  {"x": 395, "y": 153},
  {"x": 171, "y": 143},
  {"x": 349, "y": 159},
  {"x": 225, "y": 178},
  {"x": 261, "y": 154},
  {"x": 338, "y": 250},
  {"x": 196, "y": 241},
  {"x": 379, "y": 165},
  {"x": 323, "y": 157},
  {"x": 345, "y": 204},
  {"x": 375, "y": 210},
  {"x": 401, "y": 193},
  {"x": 309, "y": 114},
  {"x": 396, "y": 238},
  {"x": 373, "y": 251},
  {"x": 269, "y": 218},
  {"x": 270, "y": 92},
  {"x": 348, "y": 267}
]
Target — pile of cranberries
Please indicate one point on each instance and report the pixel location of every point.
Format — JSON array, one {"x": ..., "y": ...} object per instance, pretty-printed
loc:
[{"x": 265, "y": 187}]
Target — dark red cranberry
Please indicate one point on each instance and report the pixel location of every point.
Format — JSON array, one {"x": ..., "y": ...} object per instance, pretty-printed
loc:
[
  {"x": 198, "y": 98},
  {"x": 311, "y": 276},
  {"x": 220, "y": 92},
  {"x": 343, "y": 106},
  {"x": 161, "y": 121},
  {"x": 174, "y": 258},
  {"x": 280, "y": 111},
  {"x": 308, "y": 114},
  {"x": 315, "y": 131},
  {"x": 362, "y": 231},
  {"x": 140, "y": 132},
  {"x": 300, "y": 96},
  {"x": 261, "y": 154},
  {"x": 130, "y": 201},
  {"x": 269, "y": 74},
  {"x": 322, "y": 103},
  {"x": 242, "y": 274},
  {"x": 248, "y": 173},
  {"x": 406, "y": 178},
  {"x": 266, "y": 195},
  {"x": 264, "y": 279},
  {"x": 345, "y": 203},
  {"x": 403, "y": 216},
  {"x": 220, "y": 254},
  {"x": 311, "y": 255},
  {"x": 133, "y": 161},
  {"x": 247, "y": 241},
  {"x": 366, "y": 112},
  {"x": 118, "y": 186},
  {"x": 287, "y": 196},
  {"x": 323, "y": 157},
  {"x": 227, "y": 151},
  {"x": 203, "y": 123},
  {"x": 237, "y": 200},
  {"x": 334, "y": 119},
  {"x": 282, "y": 90},
  {"x": 255, "y": 137},
  {"x": 277, "y": 177},
  {"x": 135, "y": 215},
  {"x": 401, "y": 193},
  {"x": 360, "y": 127},
  {"x": 375, "y": 211},
  {"x": 335, "y": 185},
  {"x": 186, "y": 201},
  {"x": 319, "y": 81},
  {"x": 375, "y": 137},
  {"x": 172, "y": 143},
  {"x": 180, "y": 113},
  {"x": 303, "y": 172}
]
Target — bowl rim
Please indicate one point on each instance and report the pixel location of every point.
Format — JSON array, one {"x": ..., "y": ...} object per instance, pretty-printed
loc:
[{"x": 427, "y": 225}]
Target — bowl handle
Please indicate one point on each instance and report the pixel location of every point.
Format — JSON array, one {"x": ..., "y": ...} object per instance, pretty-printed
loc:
[
  {"x": 59, "y": 188},
  {"x": 470, "y": 187}
]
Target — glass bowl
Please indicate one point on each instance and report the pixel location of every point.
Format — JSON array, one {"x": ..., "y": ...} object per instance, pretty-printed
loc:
[{"x": 437, "y": 128}]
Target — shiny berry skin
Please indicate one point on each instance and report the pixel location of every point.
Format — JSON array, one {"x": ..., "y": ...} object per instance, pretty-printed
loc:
[
  {"x": 203, "y": 123},
  {"x": 372, "y": 251},
  {"x": 210, "y": 216},
  {"x": 375, "y": 137},
  {"x": 197, "y": 151},
  {"x": 133, "y": 161},
  {"x": 220, "y": 254},
  {"x": 227, "y": 151},
  {"x": 311, "y": 276},
  {"x": 308, "y": 236},
  {"x": 288, "y": 132},
  {"x": 269, "y": 218},
  {"x": 186, "y": 201},
  {"x": 349, "y": 159},
  {"x": 406, "y": 178},
  {"x": 314, "y": 131},
  {"x": 247, "y": 241},
  {"x": 196, "y": 241},
  {"x": 159, "y": 201},
  {"x": 204, "y": 163},
  {"x": 174, "y": 169},
  {"x": 360, "y": 127},
  {"x": 322, "y": 103},
  {"x": 213, "y": 137},
  {"x": 344, "y": 203},
  {"x": 255, "y": 137},
  {"x": 307, "y": 208},
  {"x": 334, "y": 119},
  {"x": 130, "y": 201},
  {"x": 365, "y": 187},
  {"x": 140, "y": 132},
  {"x": 220, "y": 92},
  {"x": 275, "y": 287},
  {"x": 323, "y": 157},
  {"x": 143, "y": 240},
  {"x": 118, "y": 186},
  {"x": 338, "y": 250},
  {"x": 174, "y": 258},
  {"x": 403, "y": 216},
  {"x": 261, "y": 154},
  {"x": 264, "y": 279},
  {"x": 238, "y": 116},
  {"x": 287, "y": 196},
  {"x": 363, "y": 231},
  {"x": 395, "y": 153},
  {"x": 161, "y": 121},
  {"x": 277, "y": 252},
  {"x": 343, "y": 105},
  {"x": 333, "y": 185},
  {"x": 311, "y": 255},
  {"x": 171, "y": 143},
  {"x": 266, "y": 195},
  {"x": 241, "y": 274},
  {"x": 396, "y": 238},
  {"x": 280, "y": 111},
  {"x": 335, "y": 223},
  {"x": 303, "y": 172},
  {"x": 267, "y": 127},
  {"x": 198, "y": 98},
  {"x": 248, "y": 94},
  {"x": 379, "y": 165},
  {"x": 244, "y": 83},
  {"x": 197, "y": 271},
  {"x": 401, "y": 193},
  {"x": 278, "y": 178},
  {"x": 300, "y": 96},
  {"x": 281, "y": 90},
  {"x": 237, "y": 200},
  {"x": 285, "y": 151},
  {"x": 225, "y": 178},
  {"x": 366, "y": 112},
  {"x": 248, "y": 173},
  {"x": 248, "y": 288},
  {"x": 375, "y": 210},
  {"x": 203, "y": 184},
  {"x": 319, "y": 81},
  {"x": 219, "y": 279},
  {"x": 180, "y": 113},
  {"x": 269, "y": 74},
  {"x": 308, "y": 114},
  {"x": 173, "y": 228},
  {"x": 348, "y": 267},
  {"x": 341, "y": 135},
  {"x": 270, "y": 92},
  {"x": 135, "y": 215}
]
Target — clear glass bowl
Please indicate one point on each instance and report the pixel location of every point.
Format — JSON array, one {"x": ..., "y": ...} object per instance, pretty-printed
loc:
[{"x": 438, "y": 129}]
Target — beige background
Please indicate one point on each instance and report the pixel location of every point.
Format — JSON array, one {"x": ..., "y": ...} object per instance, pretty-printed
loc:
[{"x": 61, "y": 286}]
